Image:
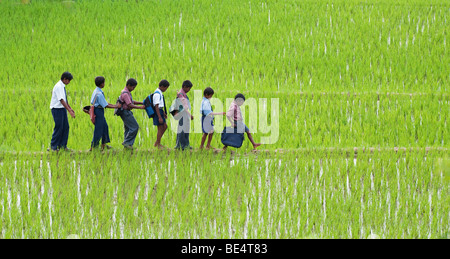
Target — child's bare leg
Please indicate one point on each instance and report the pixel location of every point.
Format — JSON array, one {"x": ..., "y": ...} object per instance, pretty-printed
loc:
[
  {"x": 250, "y": 137},
  {"x": 203, "y": 140},
  {"x": 161, "y": 130},
  {"x": 210, "y": 135},
  {"x": 158, "y": 136}
]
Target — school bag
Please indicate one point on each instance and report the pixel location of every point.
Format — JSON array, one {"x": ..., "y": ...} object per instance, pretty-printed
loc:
[
  {"x": 119, "y": 111},
  {"x": 150, "y": 106},
  {"x": 176, "y": 108},
  {"x": 91, "y": 111},
  {"x": 230, "y": 137}
]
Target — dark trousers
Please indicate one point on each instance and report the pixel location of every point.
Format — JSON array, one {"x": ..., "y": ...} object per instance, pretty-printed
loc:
[
  {"x": 131, "y": 127},
  {"x": 61, "y": 129},
  {"x": 101, "y": 131},
  {"x": 182, "y": 141}
]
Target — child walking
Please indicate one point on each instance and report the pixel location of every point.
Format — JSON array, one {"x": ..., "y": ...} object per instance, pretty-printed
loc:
[
  {"x": 159, "y": 119},
  {"x": 130, "y": 124},
  {"x": 101, "y": 131},
  {"x": 234, "y": 115},
  {"x": 208, "y": 117},
  {"x": 184, "y": 124},
  {"x": 59, "y": 107}
]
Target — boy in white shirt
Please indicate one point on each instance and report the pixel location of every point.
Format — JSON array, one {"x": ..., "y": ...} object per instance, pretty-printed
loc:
[
  {"x": 159, "y": 119},
  {"x": 60, "y": 106}
]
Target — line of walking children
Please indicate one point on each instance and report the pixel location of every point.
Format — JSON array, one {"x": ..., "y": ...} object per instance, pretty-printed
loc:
[{"x": 180, "y": 109}]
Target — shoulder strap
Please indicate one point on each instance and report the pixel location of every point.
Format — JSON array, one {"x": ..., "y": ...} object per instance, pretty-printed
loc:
[
  {"x": 95, "y": 99},
  {"x": 150, "y": 101},
  {"x": 164, "y": 101}
]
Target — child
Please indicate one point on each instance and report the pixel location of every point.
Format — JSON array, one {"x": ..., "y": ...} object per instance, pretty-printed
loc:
[
  {"x": 207, "y": 117},
  {"x": 130, "y": 124},
  {"x": 101, "y": 130},
  {"x": 159, "y": 119},
  {"x": 60, "y": 106},
  {"x": 184, "y": 124},
  {"x": 234, "y": 115}
]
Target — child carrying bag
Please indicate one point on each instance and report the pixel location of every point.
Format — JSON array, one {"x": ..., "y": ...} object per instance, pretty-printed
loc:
[
  {"x": 230, "y": 137},
  {"x": 150, "y": 106},
  {"x": 119, "y": 111}
]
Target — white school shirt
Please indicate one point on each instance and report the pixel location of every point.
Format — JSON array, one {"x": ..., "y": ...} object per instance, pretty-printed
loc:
[
  {"x": 158, "y": 98},
  {"x": 58, "y": 93}
]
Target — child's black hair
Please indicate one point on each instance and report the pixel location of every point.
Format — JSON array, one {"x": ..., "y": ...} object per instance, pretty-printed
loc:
[
  {"x": 131, "y": 82},
  {"x": 99, "y": 80},
  {"x": 66, "y": 75},
  {"x": 164, "y": 83},
  {"x": 208, "y": 91},
  {"x": 187, "y": 84},
  {"x": 239, "y": 96}
]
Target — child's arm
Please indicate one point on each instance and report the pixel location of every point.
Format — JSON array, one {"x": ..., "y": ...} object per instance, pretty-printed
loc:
[
  {"x": 138, "y": 103},
  {"x": 217, "y": 113},
  {"x": 230, "y": 118},
  {"x": 130, "y": 103},
  {"x": 132, "y": 106},
  {"x": 68, "y": 108},
  {"x": 230, "y": 115},
  {"x": 190, "y": 115},
  {"x": 185, "y": 107},
  {"x": 118, "y": 106},
  {"x": 158, "y": 113}
]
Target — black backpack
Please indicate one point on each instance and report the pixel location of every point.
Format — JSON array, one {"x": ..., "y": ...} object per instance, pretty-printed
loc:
[{"x": 119, "y": 111}]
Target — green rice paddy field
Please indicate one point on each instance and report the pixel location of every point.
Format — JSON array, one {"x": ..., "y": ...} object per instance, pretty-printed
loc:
[{"x": 356, "y": 94}]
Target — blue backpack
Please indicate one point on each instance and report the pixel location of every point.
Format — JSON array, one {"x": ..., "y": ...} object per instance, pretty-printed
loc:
[
  {"x": 230, "y": 137},
  {"x": 150, "y": 106}
]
